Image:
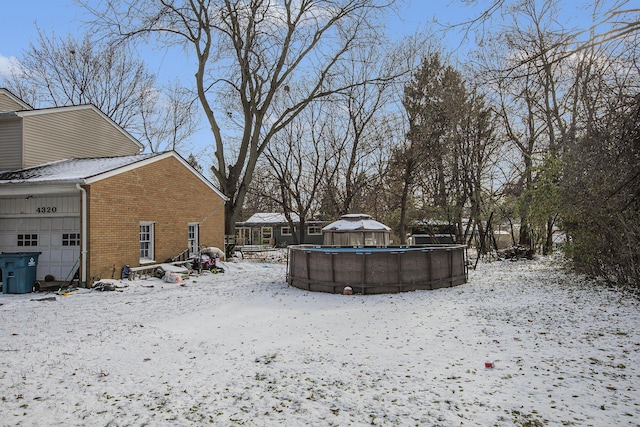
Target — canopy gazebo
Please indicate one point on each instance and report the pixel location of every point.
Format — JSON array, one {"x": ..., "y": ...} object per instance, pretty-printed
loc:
[{"x": 356, "y": 230}]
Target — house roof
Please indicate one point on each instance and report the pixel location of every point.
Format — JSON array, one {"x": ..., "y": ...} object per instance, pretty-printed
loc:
[
  {"x": 70, "y": 170},
  {"x": 356, "y": 222},
  {"x": 90, "y": 170},
  {"x": 271, "y": 218}
]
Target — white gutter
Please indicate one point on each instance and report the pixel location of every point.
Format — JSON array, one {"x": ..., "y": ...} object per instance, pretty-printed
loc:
[
  {"x": 21, "y": 190},
  {"x": 83, "y": 259}
]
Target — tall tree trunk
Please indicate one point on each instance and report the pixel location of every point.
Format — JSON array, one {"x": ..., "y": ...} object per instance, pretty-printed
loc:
[
  {"x": 229, "y": 219},
  {"x": 404, "y": 199},
  {"x": 547, "y": 249}
]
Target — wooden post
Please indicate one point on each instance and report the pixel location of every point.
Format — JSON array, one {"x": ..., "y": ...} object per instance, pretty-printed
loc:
[
  {"x": 364, "y": 271},
  {"x": 307, "y": 255}
]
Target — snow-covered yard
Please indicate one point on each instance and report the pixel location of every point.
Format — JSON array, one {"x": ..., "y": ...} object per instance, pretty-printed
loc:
[{"x": 243, "y": 348}]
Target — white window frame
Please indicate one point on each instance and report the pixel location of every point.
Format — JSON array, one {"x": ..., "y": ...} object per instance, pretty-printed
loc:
[
  {"x": 27, "y": 239},
  {"x": 266, "y": 234},
  {"x": 285, "y": 230},
  {"x": 243, "y": 236},
  {"x": 310, "y": 227},
  {"x": 193, "y": 237},
  {"x": 147, "y": 255},
  {"x": 70, "y": 239}
]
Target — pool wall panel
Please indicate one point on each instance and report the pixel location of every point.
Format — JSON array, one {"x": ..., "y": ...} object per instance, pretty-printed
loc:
[{"x": 376, "y": 270}]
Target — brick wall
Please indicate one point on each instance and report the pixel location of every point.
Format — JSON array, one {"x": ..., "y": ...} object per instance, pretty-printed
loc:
[{"x": 164, "y": 192}]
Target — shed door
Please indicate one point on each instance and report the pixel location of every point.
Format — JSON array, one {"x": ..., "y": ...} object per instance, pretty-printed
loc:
[
  {"x": 266, "y": 236},
  {"x": 243, "y": 236}
]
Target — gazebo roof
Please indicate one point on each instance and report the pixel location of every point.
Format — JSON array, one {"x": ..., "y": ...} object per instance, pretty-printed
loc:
[{"x": 355, "y": 222}]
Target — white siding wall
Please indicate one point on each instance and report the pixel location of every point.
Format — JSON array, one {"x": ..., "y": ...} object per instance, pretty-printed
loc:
[{"x": 50, "y": 206}]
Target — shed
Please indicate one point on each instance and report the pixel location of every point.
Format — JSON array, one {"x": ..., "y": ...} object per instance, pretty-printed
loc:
[
  {"x": 273, "y": 229},
  {"x": 432, "y": 232},
  {"x": 356, "y": 230}
]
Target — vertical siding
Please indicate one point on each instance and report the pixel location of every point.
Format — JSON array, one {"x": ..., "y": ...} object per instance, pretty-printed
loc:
[
  {"x": 10, "y": 144},
  {"x": 77, "y": 133}
]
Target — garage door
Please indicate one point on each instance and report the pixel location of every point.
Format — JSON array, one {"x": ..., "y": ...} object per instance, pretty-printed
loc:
[{"x": 52, "y": 230}]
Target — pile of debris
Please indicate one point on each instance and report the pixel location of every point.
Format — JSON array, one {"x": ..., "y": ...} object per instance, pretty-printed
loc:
[
  {"x": 108, "y": 285},
  {"x": 515, "y": 253},
  {"x": 164, "y": 271}
]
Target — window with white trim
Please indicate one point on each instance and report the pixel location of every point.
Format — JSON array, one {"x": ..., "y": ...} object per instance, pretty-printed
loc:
[
  {"x": 27, "y": 240},
  {"x": 267, "y": 234},
  {"x": 243, "y": 236},
  {"x": 193, "y": 239},
  {"x": 71, "y": 239},
  {"x": 285, "y": 231},
  {"x": 146, "y": 242},
  {"x": 314, "y": 230}
]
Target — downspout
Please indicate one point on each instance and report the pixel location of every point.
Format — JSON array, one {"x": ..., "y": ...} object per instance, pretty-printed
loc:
[{"x": 83, "y": 253}]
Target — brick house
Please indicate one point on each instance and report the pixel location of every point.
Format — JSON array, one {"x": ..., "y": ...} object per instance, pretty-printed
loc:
[{"x": 89, "y": 212}]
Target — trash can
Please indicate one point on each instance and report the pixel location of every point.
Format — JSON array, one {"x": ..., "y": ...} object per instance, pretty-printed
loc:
[{"x": 18, "y": 271}]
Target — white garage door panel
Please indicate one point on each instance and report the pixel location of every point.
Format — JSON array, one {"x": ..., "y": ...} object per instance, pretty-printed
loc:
[
  {"x": 44, "y": 238},
  {"x": 17, "y": 217},
  {"x": 55, "y": 259},
  {"x": 62, "y": 262}
]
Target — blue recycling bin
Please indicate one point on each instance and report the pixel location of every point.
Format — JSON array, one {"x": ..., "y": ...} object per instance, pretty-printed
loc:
[{"x": 18, "y": 271}]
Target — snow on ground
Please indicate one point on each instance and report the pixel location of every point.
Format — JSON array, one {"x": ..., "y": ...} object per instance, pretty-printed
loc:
[{"x": 243, "y": 348}]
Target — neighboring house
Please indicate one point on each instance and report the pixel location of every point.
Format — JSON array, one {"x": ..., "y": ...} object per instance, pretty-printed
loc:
[
  {"x": 432, "y": 233},
  {"x": 273, "y": 229},
  {"x": 93, "y": 213}
]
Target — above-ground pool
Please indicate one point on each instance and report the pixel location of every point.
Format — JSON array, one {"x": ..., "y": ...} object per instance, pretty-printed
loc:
[{"x": 376, "y": 270}]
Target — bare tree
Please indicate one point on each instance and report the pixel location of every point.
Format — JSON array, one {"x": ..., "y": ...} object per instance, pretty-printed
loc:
[
  {"x": 405, "y": 160},
  {"x": 248, "y": 54},
  {"x": 599, "y": 193},
  {"x": 297, "y": 161},
  {"x": 365, "y": 125},
  {"x": 559, "y": 92},
  {"x": 193, "y": 162},
  {"x": 611, "y": 20},
  {"x": 168, "y": 118},
  {"x": 479, "y": 152},
  {"x": 263, "y": 192},
  {"x": 536, "y": 92},
  {"x": 60, "y": 72}
]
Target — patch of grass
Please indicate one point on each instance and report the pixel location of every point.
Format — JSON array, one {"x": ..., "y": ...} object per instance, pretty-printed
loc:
[{"x": 526, "y": 420}]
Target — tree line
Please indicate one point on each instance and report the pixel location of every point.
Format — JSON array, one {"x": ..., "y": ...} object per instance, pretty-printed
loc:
[{"x": 313, "y": 111}]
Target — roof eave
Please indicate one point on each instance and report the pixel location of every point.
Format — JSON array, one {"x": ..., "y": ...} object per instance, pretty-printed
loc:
[{"x": 31, "y": 188}]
